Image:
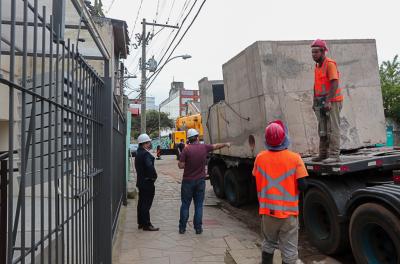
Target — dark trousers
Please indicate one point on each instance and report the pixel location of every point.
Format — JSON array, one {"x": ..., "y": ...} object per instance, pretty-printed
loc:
[
  {"x": 192, "y": 189},
  {"x": 146, "y": 196}
]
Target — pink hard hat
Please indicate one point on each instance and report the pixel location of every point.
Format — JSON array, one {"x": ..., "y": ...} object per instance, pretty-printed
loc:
[
  {"x": 320, "y": 43},
  {"x": 275, "y": 133}
]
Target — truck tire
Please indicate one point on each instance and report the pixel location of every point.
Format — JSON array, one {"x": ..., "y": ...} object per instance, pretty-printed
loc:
[
  {"x": 236, "y": 187},
  {"x": 217, "y": 181},
  {"x": 375, "y": 235},
  {"x": 322, "y": 224}
]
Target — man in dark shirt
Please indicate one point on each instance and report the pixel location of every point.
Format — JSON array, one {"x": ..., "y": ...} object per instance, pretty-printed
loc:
[
  {"x": 181, "y": 146},
  {"x": 193, "y": 161},
  {"x": 146, "y": 176}
]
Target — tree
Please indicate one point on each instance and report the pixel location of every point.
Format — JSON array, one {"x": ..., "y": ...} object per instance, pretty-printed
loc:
[
  {"x": 389, "y": 72},
  {"x": 151, "y": 123}
]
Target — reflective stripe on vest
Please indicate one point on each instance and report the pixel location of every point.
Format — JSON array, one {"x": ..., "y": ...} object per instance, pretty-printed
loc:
[
  {"x": 322, "y": 84},
  {"x": 278, "y": 204},
  {"x": 287, "y": 197},
  {"x": 278, "y": 207}
]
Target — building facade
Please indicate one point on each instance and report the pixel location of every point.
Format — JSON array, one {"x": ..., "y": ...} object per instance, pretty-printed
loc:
[
  {"x": 134, "y": 105},
  {"x": 177, "y": 103}
]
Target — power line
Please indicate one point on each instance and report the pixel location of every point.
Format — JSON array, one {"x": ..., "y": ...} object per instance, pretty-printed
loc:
[
  {"x": 191, "y": 23},
  {"x": 170, "y": 11},
  {"x": 177, "y": 44},
  {"x": 109, "y": 8},
  {"x": 156, "y": 16},
  {"x": 165, "y": 44},
  {"x": 133, "y": 31},
  {"x": 177, "y": 33},
  {"x": 162, "y": 6},
  {"x": 137, "y": 16},
  {"x": 184, "y": 8}
]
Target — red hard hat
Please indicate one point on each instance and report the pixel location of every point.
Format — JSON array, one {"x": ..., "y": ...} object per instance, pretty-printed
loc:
[
  {"x": 319, "y": 43},
  {"x": 275, "y": 133}
]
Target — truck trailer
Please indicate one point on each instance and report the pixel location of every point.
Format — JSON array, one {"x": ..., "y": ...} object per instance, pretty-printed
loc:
[{"x": 354, "y": 203}]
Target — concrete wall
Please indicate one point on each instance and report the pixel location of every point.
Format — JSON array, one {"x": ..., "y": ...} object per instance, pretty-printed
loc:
[
  {"x": 274, "y": 80},
  {"x": 3, "y": 135}
]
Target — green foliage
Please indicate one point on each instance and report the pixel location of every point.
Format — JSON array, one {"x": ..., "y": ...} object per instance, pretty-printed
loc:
[
  {"x": 151, "y": 123},
  {"x": 389, "y": 72}
]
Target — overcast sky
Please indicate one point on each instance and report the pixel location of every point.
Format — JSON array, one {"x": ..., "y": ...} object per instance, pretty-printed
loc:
[{"x": 226, "y": 27}]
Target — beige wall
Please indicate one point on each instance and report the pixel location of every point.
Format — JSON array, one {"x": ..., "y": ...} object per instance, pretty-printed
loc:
[{"x": 3, "y": 135}]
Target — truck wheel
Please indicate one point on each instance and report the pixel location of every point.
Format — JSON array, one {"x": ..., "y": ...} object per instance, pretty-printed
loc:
[
  {"x": 375, "y": 235},
  {"x": 235, "y": 187},
  {"x": 321, "y": 223},
  {"x": 217, "y": 181}
]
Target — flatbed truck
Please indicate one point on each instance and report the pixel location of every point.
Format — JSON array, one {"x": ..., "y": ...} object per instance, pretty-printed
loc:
[{"x": 353, "y": 204}]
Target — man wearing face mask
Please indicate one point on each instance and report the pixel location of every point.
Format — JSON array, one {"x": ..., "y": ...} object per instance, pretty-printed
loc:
[{"x": 146, "y": 176}]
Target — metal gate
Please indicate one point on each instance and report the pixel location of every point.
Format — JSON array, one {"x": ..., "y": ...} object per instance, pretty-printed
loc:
[{"x": 62, "y": 178}]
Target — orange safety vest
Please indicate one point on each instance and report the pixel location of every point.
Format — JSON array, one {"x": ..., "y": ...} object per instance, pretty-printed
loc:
[
  {"x": 322, "y": 84},
  {"x": 276, "y": 182}
]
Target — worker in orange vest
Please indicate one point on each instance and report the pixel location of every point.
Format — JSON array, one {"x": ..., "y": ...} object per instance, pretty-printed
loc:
[
  {"x": 279, "y": 175},
  {"x": 327, "y": 103}
]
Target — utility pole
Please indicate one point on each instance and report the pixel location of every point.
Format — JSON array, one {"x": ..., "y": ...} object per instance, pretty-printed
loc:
[
  {"x": 143, "y": 84},
  {"x": 143, "y": 40}
]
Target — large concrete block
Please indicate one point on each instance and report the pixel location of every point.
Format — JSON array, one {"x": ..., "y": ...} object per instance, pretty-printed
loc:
[{"x": 274, "y": 80}]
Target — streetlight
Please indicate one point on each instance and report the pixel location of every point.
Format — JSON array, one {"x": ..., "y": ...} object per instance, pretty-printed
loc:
[{"x": 185, "y": 57}]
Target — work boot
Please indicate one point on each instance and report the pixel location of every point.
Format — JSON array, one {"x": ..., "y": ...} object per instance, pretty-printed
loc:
[
  {"x": 319, "y": 158},
  {"x": 267, "y": 258},
  {"x": 331, "y": 160},
  {"x": 150, "y": 228}
]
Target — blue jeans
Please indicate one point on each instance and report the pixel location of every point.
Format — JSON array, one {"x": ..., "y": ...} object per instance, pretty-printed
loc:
[{"x": 192, "y": 189}]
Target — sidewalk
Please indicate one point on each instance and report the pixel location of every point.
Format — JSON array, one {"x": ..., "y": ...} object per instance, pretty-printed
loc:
[{"x": 224, "y": 240}]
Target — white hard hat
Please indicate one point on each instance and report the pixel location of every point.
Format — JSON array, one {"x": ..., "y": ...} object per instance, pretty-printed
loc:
[
  {"x": 143, "y": 138},
  {"x": 192, "y": 132}
]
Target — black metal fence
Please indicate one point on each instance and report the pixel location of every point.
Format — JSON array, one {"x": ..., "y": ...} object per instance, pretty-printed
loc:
[{"x": 63, "y": 176}]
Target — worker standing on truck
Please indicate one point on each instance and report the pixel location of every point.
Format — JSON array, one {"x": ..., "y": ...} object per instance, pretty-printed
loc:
[
  {"x": 193, "y": 161},
  {"x": 279, "y": 177},
  {"x": 146, "y": 176},
  {"x": 327, "y": 103}
]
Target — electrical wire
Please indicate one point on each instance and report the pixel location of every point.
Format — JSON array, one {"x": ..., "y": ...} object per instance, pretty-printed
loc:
[
  {"x": 110, "y": 6},
  {"x": 137, "y": 16},
  {"x": 177, "y": 44},
  {"x": 184, "y": 8},
  {"x": 163, "y": 3},
  {"x": 166, "y": 43},
  {"x": 156, "y": 16},
  {"x": 170, "y": 11},
  {"x": 133, "y": 31},
  {"x": 177, "y": 33}
]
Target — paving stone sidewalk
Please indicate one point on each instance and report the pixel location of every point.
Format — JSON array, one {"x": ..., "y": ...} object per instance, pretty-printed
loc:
[{"x": 224, "y": 240}]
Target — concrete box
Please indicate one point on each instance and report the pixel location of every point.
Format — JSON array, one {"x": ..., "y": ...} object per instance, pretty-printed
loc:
[{"x": 274, "y": 80}]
